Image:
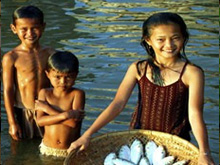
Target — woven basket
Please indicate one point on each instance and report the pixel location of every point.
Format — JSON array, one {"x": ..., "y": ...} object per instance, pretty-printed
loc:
[{"x": 102, "y": 145}]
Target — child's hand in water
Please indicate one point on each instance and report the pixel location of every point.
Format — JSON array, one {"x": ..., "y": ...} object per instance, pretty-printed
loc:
[{"x": 76, "y": 114}]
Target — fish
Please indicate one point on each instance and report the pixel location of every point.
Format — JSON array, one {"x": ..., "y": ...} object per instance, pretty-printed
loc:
[
  {"x": 144, "y": 161},
  {"x": 150, "y": 147},
  {"x": 169, "y": 160},
  {"x": 181, "y": 162},
  {"x": 118, "y": 161},
  {"x": 136, "y": 151},
  {"x": 109, "y": 159},
  {"x": 125, "y": 153},
  {"x": 158, "y": 154}
]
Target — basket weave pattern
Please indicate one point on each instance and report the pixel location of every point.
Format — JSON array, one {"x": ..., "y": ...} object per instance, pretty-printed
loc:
[{"x": 102, "y": 145}]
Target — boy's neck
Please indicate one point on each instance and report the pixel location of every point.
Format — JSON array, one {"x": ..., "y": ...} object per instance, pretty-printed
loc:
[
  {"x": 30, "y": 48},
  {"x": 60, "y": 93}
]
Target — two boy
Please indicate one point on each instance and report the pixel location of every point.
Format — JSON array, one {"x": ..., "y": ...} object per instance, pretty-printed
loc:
[{"x": 24, "y": 76}]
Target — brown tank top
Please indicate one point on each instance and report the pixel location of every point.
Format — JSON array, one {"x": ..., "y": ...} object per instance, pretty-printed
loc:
[{"x": 162, "y": 108}]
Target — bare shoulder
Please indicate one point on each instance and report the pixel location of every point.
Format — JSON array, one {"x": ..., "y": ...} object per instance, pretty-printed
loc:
[
  {"x": 50, "y": 49},
  {"x": 43, "y": 91},
  {"x": 78, "y": 92},
  {"x": 139, "y": 67},
  {"x": 9, "y": 57},
  {"x": 193, "y": 74},
  {"x": 193, "y": 70}
]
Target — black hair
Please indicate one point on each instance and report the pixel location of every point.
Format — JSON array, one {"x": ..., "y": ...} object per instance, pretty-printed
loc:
[
  {"x": 28, "y": 12},
  {"x": 164, "y": 18},
  {"x": 64, "y": 62}
]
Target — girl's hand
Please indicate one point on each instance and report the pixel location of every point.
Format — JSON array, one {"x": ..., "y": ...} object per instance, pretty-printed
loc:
[
  {"x": 41, "y": 105},
  {"x": 80, "y": 144},
  {"x": 76, "y": 114},
  {"x": 205, "y": 159}
]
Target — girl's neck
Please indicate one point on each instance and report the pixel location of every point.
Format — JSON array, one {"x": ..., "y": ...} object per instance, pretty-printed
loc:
[{"x": 166, "y": 63}]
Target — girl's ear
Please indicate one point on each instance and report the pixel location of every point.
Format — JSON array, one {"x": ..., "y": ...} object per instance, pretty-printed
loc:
[
  {"x": 148, "y": 41},
  {"x": 47, "y": 73},
  {"x": 13, "y": 28}
]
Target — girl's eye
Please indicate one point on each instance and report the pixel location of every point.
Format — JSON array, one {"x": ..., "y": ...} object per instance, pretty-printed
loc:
[
  {"x": 176, "y": 38},
  {"x": 159, "y": 39},
  {"x": 57, "y": 77}
]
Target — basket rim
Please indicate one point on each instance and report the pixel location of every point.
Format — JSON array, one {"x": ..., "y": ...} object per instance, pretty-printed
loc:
[{"x": 133, "y": 131}]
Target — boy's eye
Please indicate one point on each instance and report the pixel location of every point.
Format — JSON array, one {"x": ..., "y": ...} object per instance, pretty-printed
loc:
[{"x": 23, "y": 29}]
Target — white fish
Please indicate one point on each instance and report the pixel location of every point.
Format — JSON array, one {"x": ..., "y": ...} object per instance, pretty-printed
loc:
[
  {"x": 182, "y": 162},
  {"x": 118, "y": 161},
  {"x": 136, "y": 151},
  {"x": 109, "y": 159},
  {"x": 169, "y": 160},
  {"x": 150, "y": 147},
  {"x": 158, "y": 154},
  {"x": 144, "y": 161},
  {"x": 125, "y": 153}
]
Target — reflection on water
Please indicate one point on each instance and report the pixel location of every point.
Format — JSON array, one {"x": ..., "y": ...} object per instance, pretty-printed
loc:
[{"x": 105, "y": 36}]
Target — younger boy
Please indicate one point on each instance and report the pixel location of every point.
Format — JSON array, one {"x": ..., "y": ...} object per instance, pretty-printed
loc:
[
  {"x": 23, "y": 72},
  {"x": 60, "y": 109}
]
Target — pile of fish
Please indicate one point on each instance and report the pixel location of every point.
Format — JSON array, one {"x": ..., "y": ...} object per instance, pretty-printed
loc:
[{"x": 139, "y": 154}]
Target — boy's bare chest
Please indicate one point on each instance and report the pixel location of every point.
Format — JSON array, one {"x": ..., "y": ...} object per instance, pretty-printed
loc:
[
  {"x": 64, "y": 103},
  {"x": 30, "y": 64}
]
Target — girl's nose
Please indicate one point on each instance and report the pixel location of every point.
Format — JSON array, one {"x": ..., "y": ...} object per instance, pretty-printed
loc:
[{"x": 169, "y": 43}]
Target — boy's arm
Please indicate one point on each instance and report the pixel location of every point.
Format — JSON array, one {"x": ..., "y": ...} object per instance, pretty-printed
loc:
[
  {"x": 46, "y": 115},
  {"x": 78, "y": 105},
  {"x": 9, "y": 95}
]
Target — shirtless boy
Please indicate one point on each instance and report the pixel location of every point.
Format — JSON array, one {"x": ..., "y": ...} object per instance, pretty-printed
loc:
[
  {"x": 23, "y": 72},
  {"x": 60, "y": 109}
]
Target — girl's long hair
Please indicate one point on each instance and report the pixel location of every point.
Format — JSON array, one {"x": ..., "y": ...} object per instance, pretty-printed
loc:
[{"x": 153, "y": 21}]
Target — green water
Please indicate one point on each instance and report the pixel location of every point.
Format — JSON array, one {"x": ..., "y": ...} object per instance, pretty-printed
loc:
[{"x": 105, "y": 35}]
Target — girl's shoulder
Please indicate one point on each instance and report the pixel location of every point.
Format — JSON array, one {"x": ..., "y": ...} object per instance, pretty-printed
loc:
[
  {"x": 193, "y": 69},
  {"x": 192, "y": 73},
  {"x": 140, "y": 66}
]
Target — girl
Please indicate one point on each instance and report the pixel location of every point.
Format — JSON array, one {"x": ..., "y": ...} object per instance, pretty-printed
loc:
[{"x": 171, "y": 89}]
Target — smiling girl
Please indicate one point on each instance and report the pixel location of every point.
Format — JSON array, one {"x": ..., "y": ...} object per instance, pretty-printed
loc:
[{"x": 171, "y": 88}]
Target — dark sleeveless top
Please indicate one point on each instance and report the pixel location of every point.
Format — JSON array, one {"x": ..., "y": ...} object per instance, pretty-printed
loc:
[{"x": 162, "y": 108}]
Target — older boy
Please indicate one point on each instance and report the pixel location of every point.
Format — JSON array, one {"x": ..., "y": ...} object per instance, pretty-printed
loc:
[{"x": 23, "y": 72}]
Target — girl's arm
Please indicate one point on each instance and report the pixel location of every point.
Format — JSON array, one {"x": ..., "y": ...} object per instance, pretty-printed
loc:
[
  {"x": 124, "y": 91},
  {"x": 195, "y": 78}
]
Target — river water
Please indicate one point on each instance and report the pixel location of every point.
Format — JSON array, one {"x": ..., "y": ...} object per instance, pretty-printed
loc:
[{"x": 105, "y": 36}]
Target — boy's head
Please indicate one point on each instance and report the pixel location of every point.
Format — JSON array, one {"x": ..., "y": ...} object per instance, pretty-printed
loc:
[
  {"x": 30, "y": 11},
  {"x": 62, "y": 70},
  {"x": 63, "y": 62},
  {"x": 28, "y": 24}
]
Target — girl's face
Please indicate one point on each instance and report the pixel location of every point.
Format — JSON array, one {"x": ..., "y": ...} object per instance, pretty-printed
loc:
[
  {"x": 166, "y": 40},
  {"x": 61, "y": 81},
  {"x": 28, "y": 30}
]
